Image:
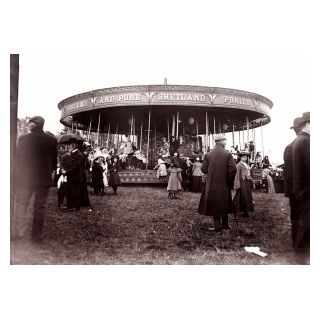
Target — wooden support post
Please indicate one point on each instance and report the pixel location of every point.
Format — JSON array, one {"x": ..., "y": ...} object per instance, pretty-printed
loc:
[{"x": 207, "y": 132}]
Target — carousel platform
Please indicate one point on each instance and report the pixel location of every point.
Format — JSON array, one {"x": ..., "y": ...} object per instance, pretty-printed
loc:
[{"x": 140, "y": 177}]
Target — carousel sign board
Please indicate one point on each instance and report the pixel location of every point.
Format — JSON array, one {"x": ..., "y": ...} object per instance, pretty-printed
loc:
[{"x": 129, "y": 96}]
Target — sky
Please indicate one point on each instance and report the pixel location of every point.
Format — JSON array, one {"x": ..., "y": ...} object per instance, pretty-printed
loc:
[
  {"x": 46, "y": 79},
  {"x": 270, "y": 48}
]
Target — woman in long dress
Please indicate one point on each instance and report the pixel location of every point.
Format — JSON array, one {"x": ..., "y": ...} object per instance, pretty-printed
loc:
[
  {"x": 114, "y": 180},
  {"x": 243, "y": 183},
  {"x": 197, "y": 176},
  {"x": 174, "y": 182}
]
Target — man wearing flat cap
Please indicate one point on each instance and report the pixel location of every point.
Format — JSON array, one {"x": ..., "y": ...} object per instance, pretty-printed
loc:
[
  {"x": 36, "y": 159},
  {"x": 289, "y": 173},
  {"x": 220, "y": 169}
]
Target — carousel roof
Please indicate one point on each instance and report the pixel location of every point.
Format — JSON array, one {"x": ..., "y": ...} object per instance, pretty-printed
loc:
[{"x": 117, "y": 107}]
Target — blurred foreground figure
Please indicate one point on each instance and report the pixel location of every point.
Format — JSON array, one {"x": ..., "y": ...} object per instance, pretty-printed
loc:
[
  {"x": 36, "y": 159},
  {"x": 297, "y": 186}
]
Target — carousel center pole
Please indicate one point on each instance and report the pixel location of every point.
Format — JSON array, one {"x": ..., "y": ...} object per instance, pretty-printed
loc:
[{"x": 148, "y": 139}]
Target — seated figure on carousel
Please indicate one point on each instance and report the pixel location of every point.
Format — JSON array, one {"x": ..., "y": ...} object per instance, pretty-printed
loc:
[
  {"x": 139, "y": 160},
  {"x": 164, "y": 149}
]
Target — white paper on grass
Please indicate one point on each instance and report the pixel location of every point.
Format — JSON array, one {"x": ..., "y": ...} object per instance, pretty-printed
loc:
[{"x": 256, "y": 250}]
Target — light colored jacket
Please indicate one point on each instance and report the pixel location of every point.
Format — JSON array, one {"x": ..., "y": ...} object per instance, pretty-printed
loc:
[{"x": 243, "y": 172}]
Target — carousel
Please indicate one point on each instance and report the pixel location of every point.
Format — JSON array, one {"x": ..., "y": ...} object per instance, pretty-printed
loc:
[{"x": 148, "y": 120}]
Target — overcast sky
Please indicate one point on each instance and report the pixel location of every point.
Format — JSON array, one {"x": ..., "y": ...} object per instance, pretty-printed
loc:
[{"x": 47, "y": 79}]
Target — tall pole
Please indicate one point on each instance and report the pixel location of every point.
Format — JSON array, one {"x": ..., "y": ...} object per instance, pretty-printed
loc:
[
  {"x": 14, "y": 95},
  {"x": 141, "y": 136},
  {"x": 207, "y": 131},
  {"x": 177, "y": 135},
  {"x": 131, "y": 125},
  {"x": 214, "y": 125},
  {"x": 97, "y": 138},
  {"x": 117, "y": 137},
  {"x": 108, "y": 135},
  {"x": 233, "y": 134},
  {"x": 173, "y": 126},
  {"x": 134, "y": 129},
  {"x": 89, "y": 128},
  {"x": 197, "y": 129},
  {"x": 148, "y": 138},
  {"x": 168, "y": 125},
  {"x": 261, "y": 138},
  {"x": 239, "y": 140},
  {"x": 155, "y": 137},
  {"x": 248, "y": 129},
  {"x": 243, "y": 137}
]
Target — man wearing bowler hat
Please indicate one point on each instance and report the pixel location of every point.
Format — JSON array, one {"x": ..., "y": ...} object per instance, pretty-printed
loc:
[
  {"x": 220, "y": 169},
  {"x": 36, "y": 159}
]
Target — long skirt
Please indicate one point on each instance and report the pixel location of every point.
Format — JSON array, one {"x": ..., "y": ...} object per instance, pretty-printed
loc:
[
  {"x": 196, "y": 183},
  {"x": 242, "y": 200},
  {"x": 114, "y": 179}
]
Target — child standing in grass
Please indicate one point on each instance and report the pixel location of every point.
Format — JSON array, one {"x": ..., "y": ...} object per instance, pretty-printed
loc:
[{"x": 174, "y": 182}]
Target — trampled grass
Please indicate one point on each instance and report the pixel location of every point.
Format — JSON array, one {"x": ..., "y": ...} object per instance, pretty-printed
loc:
[{"x": 141, "y": 225}]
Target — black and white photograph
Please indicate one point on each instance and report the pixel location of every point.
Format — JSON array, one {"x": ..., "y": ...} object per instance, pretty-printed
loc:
[{"x": 164, "y": 151}]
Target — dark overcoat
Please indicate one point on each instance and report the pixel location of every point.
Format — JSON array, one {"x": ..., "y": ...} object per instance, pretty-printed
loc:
[
  {"x": 288, "y": 170},
  {"x": 76, "y": 166},
  {"x": 36, "y": 158},
  {"x": 220, "y": 169},
  {"x": 301, "y": 166}
]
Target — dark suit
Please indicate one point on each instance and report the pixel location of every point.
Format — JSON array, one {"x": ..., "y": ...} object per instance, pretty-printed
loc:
[
  {"x": 74, "y": 178},
  {"x": 220, "y": 169},
  {"x": 36, "y": 159}
]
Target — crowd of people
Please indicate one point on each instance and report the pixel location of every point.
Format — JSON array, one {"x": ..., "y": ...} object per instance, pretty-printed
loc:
[{"x": 213, "y": 174}]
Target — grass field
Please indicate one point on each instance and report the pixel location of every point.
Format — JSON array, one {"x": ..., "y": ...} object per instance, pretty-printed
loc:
[{"x": 141, "y": 226}]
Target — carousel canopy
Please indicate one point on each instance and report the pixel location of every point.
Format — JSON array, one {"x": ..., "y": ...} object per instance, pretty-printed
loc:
[{"x": 210, "y": 109}]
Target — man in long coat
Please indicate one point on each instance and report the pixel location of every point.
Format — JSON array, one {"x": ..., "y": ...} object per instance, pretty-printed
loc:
[
  {"x": 301, "y": 188},
  {"x": 220, "y": 169},
  {"x": 74, "y": 176},
  {"x": 298, "y": 124},
  {"x": 36, "y": 159}
]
